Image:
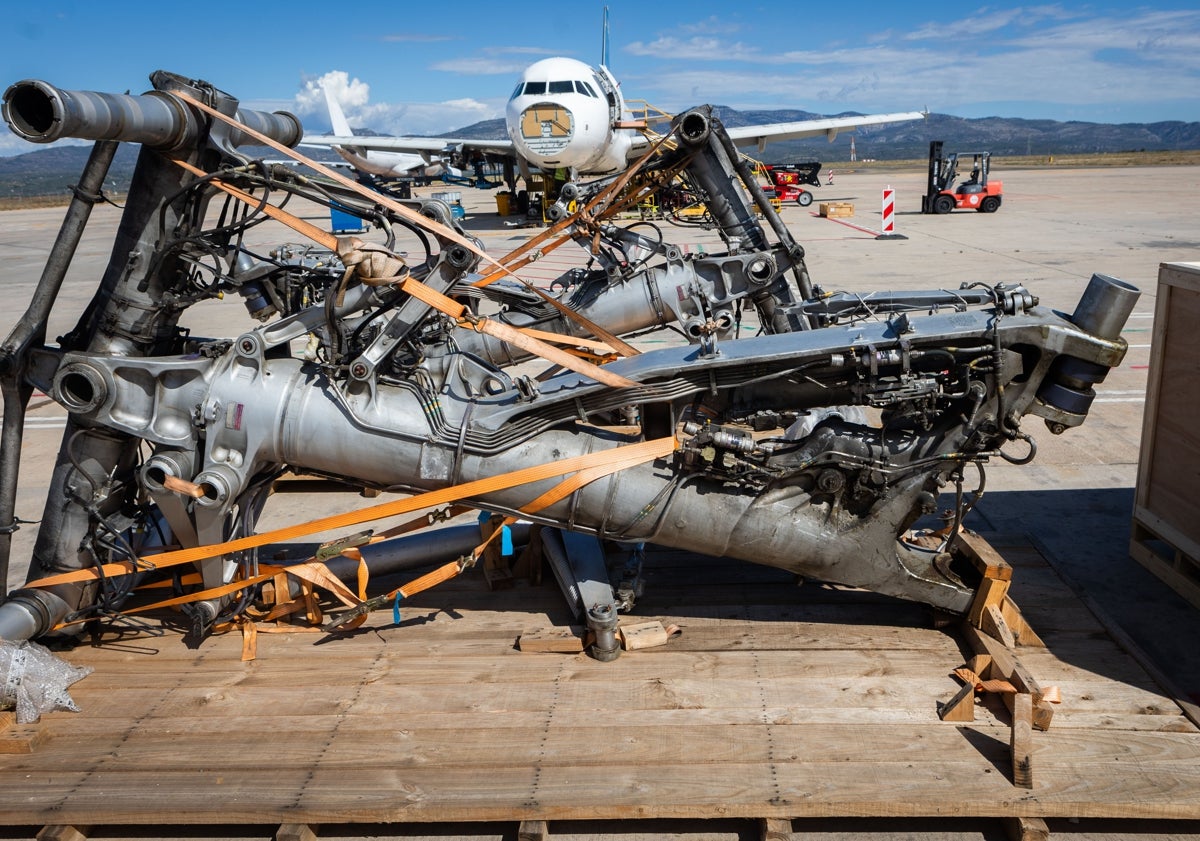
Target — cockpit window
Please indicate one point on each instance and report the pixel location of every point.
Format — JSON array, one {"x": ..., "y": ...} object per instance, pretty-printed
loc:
[
  {"x": 562, "y": 87},
  {"x": 535, "y": 88},
  {"x": 585, "y": 88},
  {"x": 517, "y": 91}
]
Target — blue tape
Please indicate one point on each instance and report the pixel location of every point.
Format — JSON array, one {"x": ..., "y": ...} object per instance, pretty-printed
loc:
[
  {"x": 396, "y": 608},
  {"x": 506, "y": 541}
]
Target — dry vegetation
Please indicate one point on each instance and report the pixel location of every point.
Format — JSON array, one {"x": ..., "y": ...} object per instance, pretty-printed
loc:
[{"x": 1188, "y": 157}]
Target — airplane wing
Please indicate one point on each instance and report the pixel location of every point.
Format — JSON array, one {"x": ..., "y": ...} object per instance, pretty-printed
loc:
[
  {"x": 409, "y": 144},
  {"x": 829, "y": 126}
]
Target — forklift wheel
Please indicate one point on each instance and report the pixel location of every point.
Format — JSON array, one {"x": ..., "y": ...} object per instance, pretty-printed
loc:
[
  {"x": 989, "y": 205},
  {"x": 804, "y": 199},
  {"x": 943, "y": 204}
]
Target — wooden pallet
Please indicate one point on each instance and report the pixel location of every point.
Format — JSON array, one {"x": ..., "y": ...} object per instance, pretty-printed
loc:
[{"x": 777, "y": 703}]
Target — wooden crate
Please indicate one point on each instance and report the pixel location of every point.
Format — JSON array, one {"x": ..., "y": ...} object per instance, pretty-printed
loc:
[
  {"x": 836, "y": 209},
  {"x": 1166, "y": 514}
]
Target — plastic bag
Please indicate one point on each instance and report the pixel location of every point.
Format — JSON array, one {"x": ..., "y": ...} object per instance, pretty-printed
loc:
[{"x": 34, "y": 681}]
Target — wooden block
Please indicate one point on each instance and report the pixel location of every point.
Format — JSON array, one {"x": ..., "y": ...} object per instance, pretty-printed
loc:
[
  {"x": 642, "y": 635},
  {"x": 533, "y": 831},
  {"x": 985, "y": 558},
  {"x": 295, "y": 832},
  {"x": 991, "y": 593},
  {"x": 1006, "y": 666},
  {"x": 981, "y": 664},
  {"x": 63, "y": 833},
  {"x": 775, "y": 829},
  {"x": 529, "y": 563},
  {"x": 21, "y": 739},
  {"x": 1022, "y": 631},
  {"x": 1026, "y": 829},
  {"x": 1021, "y": 743},
  {"x": 961, "y": 707},
  {"x": 497, "y": 571},
  {"x": 555, "y": 640},
  {"x": 992, "y": 623}
]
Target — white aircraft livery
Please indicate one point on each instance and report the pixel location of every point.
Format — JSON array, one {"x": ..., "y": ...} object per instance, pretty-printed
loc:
[{"x": 565, "y": 114}]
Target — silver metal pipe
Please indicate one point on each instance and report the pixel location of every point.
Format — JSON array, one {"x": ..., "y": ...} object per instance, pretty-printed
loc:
[
  {"x": 1105, "y": 306},
  {"x": 40, "y": 112}
]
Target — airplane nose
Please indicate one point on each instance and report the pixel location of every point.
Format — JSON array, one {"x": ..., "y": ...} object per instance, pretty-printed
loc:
[{"x": 547, "y": 129}]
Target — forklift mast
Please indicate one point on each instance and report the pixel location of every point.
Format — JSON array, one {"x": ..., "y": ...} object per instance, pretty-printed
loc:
[{"x": 941, "y": 174}]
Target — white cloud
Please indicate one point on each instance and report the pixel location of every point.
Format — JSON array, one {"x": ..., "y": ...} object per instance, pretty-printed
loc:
[
  {"x": 1037, "y": 54},
  {"x": 350, "y": 93},
  {"x": 494, "y": 61},
  {"x": 389, "y": 117}
]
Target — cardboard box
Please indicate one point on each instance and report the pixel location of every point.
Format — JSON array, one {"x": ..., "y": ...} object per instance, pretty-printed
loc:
[{"x": 836, "y": 209}]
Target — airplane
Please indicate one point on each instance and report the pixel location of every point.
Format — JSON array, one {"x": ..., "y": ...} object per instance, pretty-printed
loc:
[
  {"x": 374, "y": 161},
  {"x": 567, "y": 115}
]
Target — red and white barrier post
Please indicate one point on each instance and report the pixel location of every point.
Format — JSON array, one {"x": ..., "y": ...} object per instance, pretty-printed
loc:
[{"x": 888, "y": 228}]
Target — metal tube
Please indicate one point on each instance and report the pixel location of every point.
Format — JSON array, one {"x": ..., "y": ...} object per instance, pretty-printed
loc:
[
  {"x": 31, "y": 329},
  {"x": 711, "y": 168},
  {"x": 1105, "y": 306},
  {"x": 42, "y": 113}
]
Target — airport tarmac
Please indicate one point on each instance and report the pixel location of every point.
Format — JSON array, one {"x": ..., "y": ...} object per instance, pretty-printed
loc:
[{"x": 1056, "y": 228}]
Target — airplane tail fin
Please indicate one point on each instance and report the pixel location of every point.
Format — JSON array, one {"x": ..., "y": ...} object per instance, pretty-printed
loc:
[{"x": 337, "y": 118}]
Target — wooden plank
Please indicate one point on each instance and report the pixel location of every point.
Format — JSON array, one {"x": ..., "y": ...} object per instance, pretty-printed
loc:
[
  {"x": 991, "y": 593},
  {"x": 1023, "y": 633},
  {"x": 772, "y": 714},
  {"x": 1166, "y": 559},
  {"x": 1006, "y": 665},
  {"x": 1165, "y": 505},
  {"x": 558, "y": 640},
  {"x": 1021, "y": 743},
  {"x": 966, "y": 786},
  {"x": 990, "y": 563},
  {"x": 961, "y": 707},
  {"x": 992, "y": 623}
]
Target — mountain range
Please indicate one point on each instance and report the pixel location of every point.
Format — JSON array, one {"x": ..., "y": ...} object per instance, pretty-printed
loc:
[{"x": 51, "y": 171}]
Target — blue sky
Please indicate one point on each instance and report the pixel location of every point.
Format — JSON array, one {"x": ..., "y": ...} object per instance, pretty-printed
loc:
[{"x": 417, "y": 68}]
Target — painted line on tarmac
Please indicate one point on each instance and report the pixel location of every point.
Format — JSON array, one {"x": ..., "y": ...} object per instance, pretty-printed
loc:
[{"x": 46, "y": 423}]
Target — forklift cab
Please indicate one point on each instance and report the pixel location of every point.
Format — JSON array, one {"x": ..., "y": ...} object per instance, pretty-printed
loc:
[{"x": 976, "y": 192}]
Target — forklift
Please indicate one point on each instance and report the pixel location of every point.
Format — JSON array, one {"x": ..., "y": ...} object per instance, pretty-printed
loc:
[{"x": 976, "y": 192}]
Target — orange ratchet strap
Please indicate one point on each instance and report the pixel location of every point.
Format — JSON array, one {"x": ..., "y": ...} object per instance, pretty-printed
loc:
[
  {"x": 629, "y": 458},
  {"x": 428, "y": 295},
  {"x": 411, "y": 215},
  {"x": 595, "y": 464}
]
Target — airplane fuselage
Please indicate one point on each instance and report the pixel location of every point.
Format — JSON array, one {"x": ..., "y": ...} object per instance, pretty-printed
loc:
[{"x": 563, "y": 114}]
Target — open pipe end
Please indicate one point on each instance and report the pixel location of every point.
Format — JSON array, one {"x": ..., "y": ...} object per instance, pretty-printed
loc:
[{"x": 34, "y": 111}]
